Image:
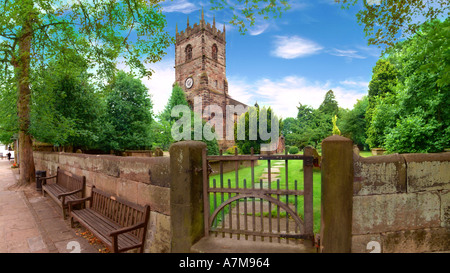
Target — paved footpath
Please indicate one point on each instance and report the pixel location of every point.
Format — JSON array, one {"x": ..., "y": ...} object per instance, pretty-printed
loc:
[{"x": 31, "y": 223}]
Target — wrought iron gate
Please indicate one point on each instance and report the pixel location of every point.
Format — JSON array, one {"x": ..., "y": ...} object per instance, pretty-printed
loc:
[{"x": 259, "y": 210}]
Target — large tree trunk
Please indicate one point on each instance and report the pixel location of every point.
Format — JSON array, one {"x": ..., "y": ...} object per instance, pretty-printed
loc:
[{"x": 26, "y": 162}]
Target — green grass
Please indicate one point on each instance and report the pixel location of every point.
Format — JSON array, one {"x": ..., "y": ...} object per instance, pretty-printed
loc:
[
  {"x": 295, "y": 172},
  {"x": 365, "y": 153}
]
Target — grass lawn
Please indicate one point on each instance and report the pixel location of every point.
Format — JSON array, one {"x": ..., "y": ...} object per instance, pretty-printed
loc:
[
  {"x": 365, "y": 153},
  {"x": 295, "y": 172}
]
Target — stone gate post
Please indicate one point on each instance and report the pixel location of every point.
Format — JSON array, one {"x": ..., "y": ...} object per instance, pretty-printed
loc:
[
  {"x": 337, "y": 194},
  {"x": 186, "y": 195}
]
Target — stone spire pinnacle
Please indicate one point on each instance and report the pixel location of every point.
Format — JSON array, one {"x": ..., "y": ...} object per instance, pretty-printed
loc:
[{"x": 188, "y": 21}]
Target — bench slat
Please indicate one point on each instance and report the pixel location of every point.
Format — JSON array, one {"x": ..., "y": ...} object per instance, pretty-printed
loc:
[
  {"x": 108, "y": 213},
  {"x": 101, "y": 227},
  {"x": 65, "y": 182}
]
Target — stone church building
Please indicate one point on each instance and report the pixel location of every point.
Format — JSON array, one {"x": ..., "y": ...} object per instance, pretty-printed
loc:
[{"x": 200, "y": 67}]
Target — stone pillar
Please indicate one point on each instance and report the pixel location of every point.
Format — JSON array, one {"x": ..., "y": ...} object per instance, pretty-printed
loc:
[
  {"x": 186, "y": 195},
  {"x": 337, "y": 194}
]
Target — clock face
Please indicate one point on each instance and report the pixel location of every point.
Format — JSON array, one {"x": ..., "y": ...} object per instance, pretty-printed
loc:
[{"x": 189, "y": 82}]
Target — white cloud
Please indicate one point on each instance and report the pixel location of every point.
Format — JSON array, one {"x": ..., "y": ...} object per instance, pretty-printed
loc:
[
  {"x": 352, "y": 54},
  {"x": 285, "y": 94},
  {"x": 258, "y": 29},
  {"x": 355, "y": 83},
  {"x": 238, "y": 89},
  {"x": 183, "y": 6},
  {"x": 294, "y": 47},
  {"x": 160, "y": 84}
]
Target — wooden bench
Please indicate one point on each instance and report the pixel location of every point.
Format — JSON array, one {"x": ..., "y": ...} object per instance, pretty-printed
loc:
[
  {"x": 67, "y": 187},
  {"x": 119, "y": 224}
]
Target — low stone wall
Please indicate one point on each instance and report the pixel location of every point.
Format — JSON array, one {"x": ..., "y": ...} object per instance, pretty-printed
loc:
[
  {"x": 142, "y": 180},
  {"x": 228, "y": 166},
  {"x": 402, "y": 203}
]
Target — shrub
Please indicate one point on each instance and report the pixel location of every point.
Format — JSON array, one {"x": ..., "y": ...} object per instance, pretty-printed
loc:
[
  {"x": 230, "y": 150},
  {"x": 293, "y": 150}
]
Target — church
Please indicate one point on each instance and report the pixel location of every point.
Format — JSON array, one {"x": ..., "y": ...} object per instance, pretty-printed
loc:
[{"x": 200, "y": 67}]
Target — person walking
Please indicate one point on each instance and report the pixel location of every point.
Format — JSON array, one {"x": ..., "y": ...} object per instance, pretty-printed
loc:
[{"x": 9, "y": 156}]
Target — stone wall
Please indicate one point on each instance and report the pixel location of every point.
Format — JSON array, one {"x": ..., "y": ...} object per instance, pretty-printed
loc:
[
  {"x": 402, "y": 203},
  {"x": 142, "y": 180}
]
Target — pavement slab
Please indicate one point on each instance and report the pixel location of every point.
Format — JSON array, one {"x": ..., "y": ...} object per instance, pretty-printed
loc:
[{"x": 31, "y": 223}]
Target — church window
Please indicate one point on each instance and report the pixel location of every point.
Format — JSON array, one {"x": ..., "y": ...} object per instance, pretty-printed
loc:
[
  {"x": 188, "y": 51},
  {"x": 214, "y": 52}
]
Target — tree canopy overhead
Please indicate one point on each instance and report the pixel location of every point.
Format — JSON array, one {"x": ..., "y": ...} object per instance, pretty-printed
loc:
[
  {"x": 388, "y": 21},
  {"x": 32, "y": 32},
  {"x": 385, "y": 21}
]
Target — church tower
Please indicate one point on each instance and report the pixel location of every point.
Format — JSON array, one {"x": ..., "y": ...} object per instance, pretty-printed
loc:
[
  {"x": 200, "y": 62},
  {"x": 200, "y": 65}
]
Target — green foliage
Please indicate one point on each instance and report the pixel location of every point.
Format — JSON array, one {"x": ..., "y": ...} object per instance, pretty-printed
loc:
[
  {"x": 9, "y": 123},
  {"x": 415, "y": 117},
  {"x": 384, "y": 22},
  {"x": 245, "y": 12},
  {"x": 293, "y": 150},
  {"x": 415, "y": 134},
  {"x": 66, "y": 106},
  {"x": 353, "y": 123},
  {"x": 128, "y": 115},
  {"x": 313, "y": 125},
  {"x": 249, "y": 141},
  {"x": 329, "y": 105},
  {"x": 177, "y": 97},
  {"x": 162, "y": 136},
  {"x": 212, "y": 145},
  {"x": 384, "y": 80}
]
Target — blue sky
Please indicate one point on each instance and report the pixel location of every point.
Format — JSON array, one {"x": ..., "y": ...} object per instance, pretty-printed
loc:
[{"x": 314, "y": 47}]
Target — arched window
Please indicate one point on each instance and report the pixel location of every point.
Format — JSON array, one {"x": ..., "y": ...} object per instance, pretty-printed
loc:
[
  {"x": 188, "y": 52},
  {"x": 214, "y": 52}
]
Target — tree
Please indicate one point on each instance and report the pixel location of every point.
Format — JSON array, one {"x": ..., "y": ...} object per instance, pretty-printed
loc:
[
  {"x": 66, "y": 106},
  {"x": 129, "y": 113},
  {"x": 34, "y": 32},
  {"x": 251, "y": 133},
  {"x": 383, "y": 82},
  {"x": 8, "y": 111},
  {"x": 385, "y": 20},
  {"x": 245, "y": 11},
  {"x": 166, "y": 122},
  {"x": 329, "y": 105},
  {"x": 353, "y": 123},
  {"x": 177, "y": 97},
  {"x": 162, "y": 130},
  {"x": 415, "y": 117},
  {"x": 384, "y": 79}
]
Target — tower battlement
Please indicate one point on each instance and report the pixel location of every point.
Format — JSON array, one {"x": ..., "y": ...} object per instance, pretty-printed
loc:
[{"x": 200, "y": 27}]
